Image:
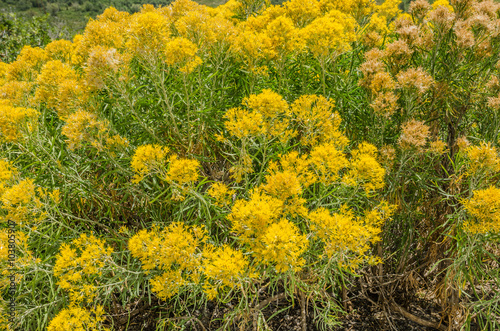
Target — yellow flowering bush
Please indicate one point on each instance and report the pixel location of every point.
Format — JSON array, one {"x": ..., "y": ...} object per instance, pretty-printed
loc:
[
  {"x": 484, "y": 207},
  {"x": 16, "y": 120},
  {"x": 254, "y": 154},
  {"x": 224, "y": 267},
  {"x": 174, "y": 251},
  {"x": 148, "y": 159},
  {"x": 78, "y": 319},
  {"x": 79, "y": 266}
]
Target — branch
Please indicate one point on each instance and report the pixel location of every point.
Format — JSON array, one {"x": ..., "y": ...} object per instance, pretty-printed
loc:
[{"x": 416, "y": 319}]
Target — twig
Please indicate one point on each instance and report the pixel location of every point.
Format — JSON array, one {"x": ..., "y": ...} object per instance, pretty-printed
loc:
[
  {"x": 416, "y": 319},
  {"x": 271, "y": 299}
]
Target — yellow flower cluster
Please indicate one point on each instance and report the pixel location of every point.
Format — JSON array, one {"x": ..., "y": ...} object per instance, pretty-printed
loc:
[
  {"x": 348, "y": 237},
  {"x": 224, "y": 267},
  {"x": 316, "y": 122},
  {"x": 84, "y": 128},
  {"x": 78, "y": 266},
  {"x": 29, "y": 61},
  {"x": 147, "y": 160},
  {"x": 282, "y": 245},
  {"x": 20, "y": 203},
  {"x": 261, "y": 229},
  {"x": 221, "y": 193},
  {"x": 78, "y": 319},
  {"x": 181, "y": 174},
  {"x": 148, "y": 32},
  {"x": 182, "y": 53},
  {"x": 330, "y": 35},
  {"x": 327, "y": 161},
  {"x": 267, "y": 115},
  {"x": 175, "y": 251},
  {"x": 310, "y": 118},
  {"x": 60, "y": 50},
  {"x": 365, "y": 169},
  {"x": 15, "y": 120},
  {"x": 483, "y": 158},
  {"x": 58, "y": 87},
  {"x": 484, "y": 207}
]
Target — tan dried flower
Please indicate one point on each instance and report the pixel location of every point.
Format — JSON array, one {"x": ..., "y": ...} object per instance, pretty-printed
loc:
[
  {"x": 414, "y": 134},
  {"x": 462, "y": 143},
  {"x": 369, "y": 69},
  {"x": 387, "y": 155},
  {"x": 408, "y": 33},
  {"x": 442, "y": 18},
  {"x": 398, "y": 52},
  {"x": 465, "y": 37},
  {"x": 385, "y": 104},
  {"x": 419, "y": 9},
  {"x": 494, "y": 102},
  {"x": 493, "y": 84},
  {"x": 374, "y": 54},
  {"x": 418, "y": 79}
]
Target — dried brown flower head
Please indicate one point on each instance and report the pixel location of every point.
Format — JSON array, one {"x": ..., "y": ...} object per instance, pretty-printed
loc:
[
  {"x": 369, "y": 69},
  {"x": 398, "y": 52},
  {"x": 414, "y": 134},
  {"x": 442, "y": 18},
  {"x": 408, "y": 33},
  {"x": 417, "y": 79},
  {"x": 462, "y": 143},
  {"x": 494, "y": 102},
  {"x": 385, "y": 104},
  {"x": 419, "y": 9},
  {"x": 465, "y": 37},
  {"x": 374, "y": 54},
  {"x": 493, "y": 84},
  {"x": 387, "y": 155}
]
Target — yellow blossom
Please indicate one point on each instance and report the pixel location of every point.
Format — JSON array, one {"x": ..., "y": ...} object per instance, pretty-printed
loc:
[
  {"x": 330, "y": 35},
  {"x": 224, "y": 267},
  {"x": 148, "y": 159},
  {"x": 181, "y": 52},
  {"x": 52, "y": 73},
  {"x": 78, "y": 319},
  {"x": 316, "y": 121},
  {"x": 282, "y": 244},
  {"x": 60, "y": 50},
  {"x": 285, "y": 185},
  {"x": 484, "y": 207},
  {"x": 13, "y": 120},
  {"x": 221, "y": 193},
  {"x": 79, "y": 264},
  {"x": 327, "y": 161},
  {"x": 174, "y": 251},
  {"x": 365, "y": 169},
  {"x": 250, "y": 219},
  {"x": 483, "y": 157},
  {"x": 148, "y": 32}
]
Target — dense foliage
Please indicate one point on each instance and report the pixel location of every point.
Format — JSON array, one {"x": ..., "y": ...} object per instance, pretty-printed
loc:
[
  {"x": 16, "y": 32},
  {"x": 249, "y": 153}
]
